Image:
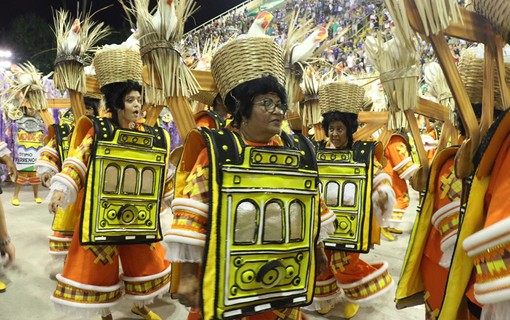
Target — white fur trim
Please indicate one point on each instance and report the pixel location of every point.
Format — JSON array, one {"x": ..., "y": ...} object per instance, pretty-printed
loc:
[
  {"x": 194, "y": 206},
  {"x": 81, "y": 310},
  {"x": 50, "y": 151},
  {"x": 88, "y": 286},
  {"x": 449, "y": 240},
  {"x": 406, "y": 175},
  {"x": 59, "y": 239},
  {"x": 380, "y": 178},
  {"x": 326, "y": 230},
  {"x": 494, "y": 295},
  {"x": 328, "y": 217},
  {"x": 489, "y": 237},
  {"x": 445, "y": 212}
]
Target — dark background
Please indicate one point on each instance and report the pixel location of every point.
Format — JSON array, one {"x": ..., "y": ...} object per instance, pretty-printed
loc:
[{"x": 25, "y": 25}]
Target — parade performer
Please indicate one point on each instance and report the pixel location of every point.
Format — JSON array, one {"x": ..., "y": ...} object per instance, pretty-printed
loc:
[
  {"x": 118, "y": 167},
  {"x": 246, "y": 210},
  {"x": 28, "y": 136},
  {"x": 6, "y": 246},
  {"x": 51, "y": 157},
  {"x": 353, "y": 199},
  {"x": 400, "y": 167},
  {"x": 215, "y": 117}
]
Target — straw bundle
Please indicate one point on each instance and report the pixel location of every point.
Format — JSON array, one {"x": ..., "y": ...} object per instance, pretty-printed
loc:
[
  {"x": 497, "y": 12},
  {"x": 159, "y": 35},
  {"x": 438, "y": 87},
  {"x": 341, "y": 96},
  {"x": 471, "y": 68},
  {"x": 74, "y": 45},
  {"x": 302, "y": 47},
  {"x": 311, "y": 113},
  {"x": 437, "y": 15},
  {"x": 204, "y": 64},
  {"x": 399, "y": 76},
  {"x": 25, "y": 84},
  {"x": 246, "y": 59}
]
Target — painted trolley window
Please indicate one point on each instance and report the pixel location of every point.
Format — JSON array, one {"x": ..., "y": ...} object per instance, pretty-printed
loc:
[
  {"x": 349, "y": 194},
  {"x": 332, "y": 193},
  {"x": 274, "y": 222},
  {"x": 129, "y": 180},
  {"x": 111, "y": 178},
  {"x": 246, "y": 222},
  {"x": 297, "y": 210},
  {"x": 147, "y": 181}
]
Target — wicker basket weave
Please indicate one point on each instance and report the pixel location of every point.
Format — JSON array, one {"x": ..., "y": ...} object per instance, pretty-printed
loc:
[
  {"x": 117, "y": 65},
  {"x": 246, "y": 59},
  {"x": 205, "y": 97},
  {"x": 341, "y": 97},
  {"x": 497, "y": 12},
  {"x": 471, "y": 70}
]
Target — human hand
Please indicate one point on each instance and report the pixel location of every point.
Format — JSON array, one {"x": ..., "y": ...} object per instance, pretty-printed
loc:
[
  {"x": 11, "y": 168},
  {"x": 57, "y": 201},
  {"x": 10, "y": 251},
  {"x": 45, "y": 179}
]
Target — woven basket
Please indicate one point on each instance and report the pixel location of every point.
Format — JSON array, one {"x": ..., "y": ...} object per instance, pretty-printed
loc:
[
  {"x": 471, "y": 70},
  {"x": 497, "y": 12},
  {"x": 246, "y": 59},
  {"x": 341, "y": 97},
  {"x": 117, "y": 65}
]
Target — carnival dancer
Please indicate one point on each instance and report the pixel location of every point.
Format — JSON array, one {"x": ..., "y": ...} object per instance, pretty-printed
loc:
[
  {"x": 51, "y": 157},
  {"x": 246, "y": 210},
  {"x": 28, "y": 137},
  {"x": 353, "y": 199},
  {"x": 119, "y": 166},
  {"x": 214, "y": 117},
  {"x": 400, "y": 167},
  {"x": 6, "y": 245}
]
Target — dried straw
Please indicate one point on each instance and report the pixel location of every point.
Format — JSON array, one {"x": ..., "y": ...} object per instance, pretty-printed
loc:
[
  {"x": 160, "y": 53},
  {"x": 438, "y": 87},
  {"x": 437, "y": 15},
  {"x": 341, "y": 96},
  {"x": 399, "y": 75},
  {"x": 497, "y": 12},
  {"x": 25, "y": 83},
  {"x": 69, "y": 65},
  {"x": 311, "y": 113}
]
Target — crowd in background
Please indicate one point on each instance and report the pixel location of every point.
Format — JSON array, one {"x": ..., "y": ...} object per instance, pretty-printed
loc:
[{"x": 361, "y": 17}]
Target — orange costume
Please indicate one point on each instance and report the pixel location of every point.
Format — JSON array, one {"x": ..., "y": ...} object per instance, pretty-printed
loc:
[
  {"x": 429, "y": 255},
  {"x": 359, "y": 280},
  {"x": 190, "y": 225},
  {"x": 400, "y": 167},
  {"x": 90, "y": 280}
]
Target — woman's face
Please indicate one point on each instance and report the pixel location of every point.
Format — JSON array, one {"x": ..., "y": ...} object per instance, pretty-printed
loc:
[
  {"x": 338, "y": 134},
  {"x": 132, "y": 111},
  {"x": 266, "y": 118}
]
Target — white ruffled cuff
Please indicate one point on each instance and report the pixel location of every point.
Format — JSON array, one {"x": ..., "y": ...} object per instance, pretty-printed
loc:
[
  {"x": 181, "y": 252},
  {"x": 59, "y": 184},
  {"x": 383, "y": 214},
  {"x": 326, "y": 230},
  {"x": 42, "y": 168}
]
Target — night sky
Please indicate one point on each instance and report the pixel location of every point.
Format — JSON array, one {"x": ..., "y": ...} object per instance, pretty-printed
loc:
[{"x": 113, "y": 16}]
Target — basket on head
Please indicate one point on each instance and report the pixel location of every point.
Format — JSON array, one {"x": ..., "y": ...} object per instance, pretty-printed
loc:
[
  {"x": 470, "y": 68},
  {"x": 117, "y": 65},
  {"x": 244, "y": 60},
  {"x": 205, "y": 97},
  {"x": 341, "y": 97},
  {"x": 497, "y": 12}
]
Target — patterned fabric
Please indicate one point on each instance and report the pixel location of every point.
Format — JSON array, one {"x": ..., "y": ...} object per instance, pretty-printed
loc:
[
  {"x": 49, "y": 157},
  {"x": 27, "y": 177},
  {"x": 104, "y": 254},
  {"x": 74, "y": 294},
  {"x": 137, "y": 288}
]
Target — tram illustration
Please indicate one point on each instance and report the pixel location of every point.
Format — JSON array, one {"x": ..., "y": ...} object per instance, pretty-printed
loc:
[
  {"x": 346, "y": 185},
  {"x": 125, "y": 203},
  {"x": 265, "y": 232}
]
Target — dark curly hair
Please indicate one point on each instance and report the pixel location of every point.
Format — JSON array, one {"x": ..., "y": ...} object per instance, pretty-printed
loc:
[
  {"x": 114, "y": 94},
  {"x": 92, "y": 103},
  {"x": 239, "y": 101},
  {"x": 350, "y": 120}
]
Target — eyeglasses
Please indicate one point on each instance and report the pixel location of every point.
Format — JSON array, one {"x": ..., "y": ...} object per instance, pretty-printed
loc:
[{"x": 270, "y": 106}]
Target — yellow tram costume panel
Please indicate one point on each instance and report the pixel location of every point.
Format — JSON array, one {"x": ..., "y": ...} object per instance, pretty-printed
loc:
[
  {"x": 121, "y": 174},
  {"x": 227, "y": 202},
  {"x": 426, "y": 266},
  {"x": 50, "y": 160},
  {"x": 400, "y": 167}
]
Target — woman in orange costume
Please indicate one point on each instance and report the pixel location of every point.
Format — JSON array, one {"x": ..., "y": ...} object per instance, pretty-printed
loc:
[
  {"x": 400, "y": 167},
  {"x": 258, "y": 104},
  {"x": 359, "y": 280},
  {"x": 90, "y": 283}
]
